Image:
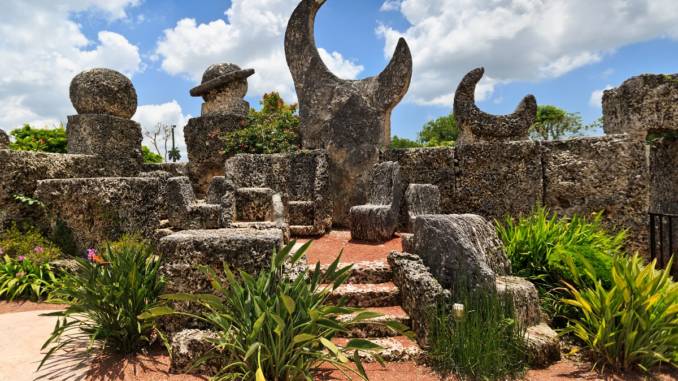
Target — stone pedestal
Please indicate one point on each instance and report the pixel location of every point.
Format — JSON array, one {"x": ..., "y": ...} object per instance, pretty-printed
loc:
[
  {"x": 105, "y": 135},
  {"x": 206, "y": 148},
  {"x": 4, "y": 140}
]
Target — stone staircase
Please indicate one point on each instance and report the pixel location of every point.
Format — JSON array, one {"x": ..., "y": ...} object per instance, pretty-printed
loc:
[{"x": 370, "y": 287}]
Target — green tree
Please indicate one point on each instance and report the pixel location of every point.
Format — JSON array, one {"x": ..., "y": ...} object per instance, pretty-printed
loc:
[
  {"x": 273, "y": 129},
  {"x": 441, "y": 132},
  {"x": 553, "y": 123},
  {"x": 28, "y": 138},
  {"x": 150, "y": 157},
  {"x": 397, "y": 142}
]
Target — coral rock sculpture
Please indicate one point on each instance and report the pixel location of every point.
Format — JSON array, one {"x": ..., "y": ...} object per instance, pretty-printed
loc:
[
  {"x": 103, "y": 91},
  {"x": 223, "y": 88},
  {"x": 4, "y": 140},
  {"x": 350, "y": 119},
  {"x": 476, "y": 125}
]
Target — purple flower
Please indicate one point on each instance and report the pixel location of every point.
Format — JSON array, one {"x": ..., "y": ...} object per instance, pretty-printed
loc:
[
  {"x": 91, "y": 254},
  {"x": 21, "y": 258},
  {"x": 39, "y": 250}
]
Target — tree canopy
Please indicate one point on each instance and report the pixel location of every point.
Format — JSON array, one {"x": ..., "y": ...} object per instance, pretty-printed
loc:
[
  {"x": 28, "y": 138},
  {"x": 553, "y": 123},
  {"x": 441, "y": 132}
]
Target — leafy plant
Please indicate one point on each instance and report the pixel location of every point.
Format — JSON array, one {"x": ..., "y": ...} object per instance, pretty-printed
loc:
[
  {"x": 29, "y": 138},
  {"x": 540, "y": 246},
  {"x": 23, "y": 279},
  {"x": 634, "y": 322},
  {"x": 150, "y": 157},
  {"x": 107, "y": 294},
  {"x": 441, "y": 132},
  {"x": 271, "y": 327},
  {"x": 30, "y": 201},
  {"x": 274, "y": 129},
  {"x": 29, "y": 244},
  {"x": 400, "y": 143},
  {"x": 479, "y": 339}
]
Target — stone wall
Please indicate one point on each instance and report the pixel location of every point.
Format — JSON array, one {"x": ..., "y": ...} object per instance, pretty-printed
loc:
[
  {"x": 664, "y": 176},
  {"x": 582, "y": 175}
]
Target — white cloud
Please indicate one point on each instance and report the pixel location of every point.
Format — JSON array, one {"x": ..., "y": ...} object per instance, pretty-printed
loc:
[
  {"x": 251, "y": 37},
  {"x": 390, "y": 5},
  {"x": 169, "y": 113},
  {"x": 596, "y": 99},
  {"x": 42, "y": 49},
  {"x": 518, "y": 39}
]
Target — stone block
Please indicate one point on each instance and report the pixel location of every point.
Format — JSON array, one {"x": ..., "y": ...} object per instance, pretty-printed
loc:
[
  {"x": 498, "y": 179},
  {"x": 642, "y": 104},
  {"x": 543, "y": 345},
  {"x": 254, "y": 204},
  {"x": 378, "y": 220},
  {"x": 190, "y": 345},
  {"x": 604, "y": 174},
  {"x": 184, "y": 212},
  {"x": 108, "y": 136},
  {"x": 96, "y": 210},
  {"x": 421, "y": 199},
  {"x": 524, "y": 296},
  {"x": 4, "y": 140},
  {"x": 461, "y": 250}
]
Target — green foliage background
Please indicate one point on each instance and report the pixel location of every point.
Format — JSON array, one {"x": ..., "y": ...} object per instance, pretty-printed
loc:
[{"x": 28, "y": 138}]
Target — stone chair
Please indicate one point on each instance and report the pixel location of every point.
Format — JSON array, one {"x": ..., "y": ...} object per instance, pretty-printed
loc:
[
  {"x": 185, "y": 212},
  {"x": 421, "y": 199},
  {"x": 378, "y": 219}
]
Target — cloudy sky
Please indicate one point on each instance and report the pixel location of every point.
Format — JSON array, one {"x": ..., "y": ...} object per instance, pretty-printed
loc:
[{"x": 563, "y": 51}]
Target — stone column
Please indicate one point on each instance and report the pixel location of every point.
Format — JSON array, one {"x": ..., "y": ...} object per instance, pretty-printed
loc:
[
  {"x": 4, "y": 140},
  {"x": 223, "y": 88}
]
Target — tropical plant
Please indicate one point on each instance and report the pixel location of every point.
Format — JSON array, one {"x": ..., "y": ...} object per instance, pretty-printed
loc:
[
  {"x": 21, "y": 278},
  {"x": 29, "y": 244},
  {"x": 402, "y": 143},
  {"x": 441, "y": 132},
  {"x": 29, "y": 138},
  {"x": 274, "y": 129},
  {"x": 540, "y": 246},
  {"x": 631, "y": 324},
  {"x": 107, "y": 294},
  {"x": 271, "y": 327},
  {"x": 150, "y": 157},
  {"x": 477, "y": 339}
]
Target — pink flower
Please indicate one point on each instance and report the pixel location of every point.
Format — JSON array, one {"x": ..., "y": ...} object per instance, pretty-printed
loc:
[
  {"x": 39, "y": 250},
  {"x": 21, "y": 258},
  {"x": 91, "y": 254}
]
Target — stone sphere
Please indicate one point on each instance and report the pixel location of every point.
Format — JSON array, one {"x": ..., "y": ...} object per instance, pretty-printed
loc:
[
  {"x": 217, "y": 70},
  {"x": 103, "y": 91}
]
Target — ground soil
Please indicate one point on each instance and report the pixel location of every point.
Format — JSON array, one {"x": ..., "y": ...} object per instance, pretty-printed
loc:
[
  {"x": 23, "y": 306},
  {"x": 326, "y": 249}
]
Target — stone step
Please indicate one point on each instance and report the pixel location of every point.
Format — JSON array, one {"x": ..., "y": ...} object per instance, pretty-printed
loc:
[
  {"x": 395, "y": 349},
  {"x": 373, "y": 328},
  {"x": 364, "y": 272},
  {"x": 367, "y": 295}
]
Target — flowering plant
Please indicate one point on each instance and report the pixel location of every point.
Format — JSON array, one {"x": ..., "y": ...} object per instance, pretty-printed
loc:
[{"x": 22, "y": 278}]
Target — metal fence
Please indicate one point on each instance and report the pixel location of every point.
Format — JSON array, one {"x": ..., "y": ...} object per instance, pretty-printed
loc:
[{"x": 662, "y": 237}]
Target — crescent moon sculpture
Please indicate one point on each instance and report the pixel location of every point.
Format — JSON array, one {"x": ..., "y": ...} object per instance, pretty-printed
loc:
[
  {"x": 476, "y": 125},
  {"x": 350, "y": 119}
]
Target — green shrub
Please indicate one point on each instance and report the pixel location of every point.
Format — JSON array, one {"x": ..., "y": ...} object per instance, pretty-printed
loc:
[
  {"x": 483, "y": 342},
  {"x": 106, "y": 295},
  {"x": 28, "y": 138},
  {"x": 633, "y": 323},
  {"x": 150, "y": 157},
  {"x": 540, "y": 246},
  {"x": 22, "y": 278},
  {"x": 275, "y": 328},
  {"x": 274, "y": 129},
  {"x": 404, "y": 143},
  {"x": 29, "y": 244}
]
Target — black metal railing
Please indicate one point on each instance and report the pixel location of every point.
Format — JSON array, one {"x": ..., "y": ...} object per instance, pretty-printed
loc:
[{"x": 662, "y": 237}]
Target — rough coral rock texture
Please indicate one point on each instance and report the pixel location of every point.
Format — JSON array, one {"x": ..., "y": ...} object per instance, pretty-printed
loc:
[
  {"x": 524, "y": 296},
  {"x": 205, "y": 146},
  {"x": 664, "y": 176},
  {"x": 350, "y": 119},
  {"x": 477, "y": 126},
  {"x": 421, "y": 199},
  {"x": 302, "y": 179},
  {"x": 108, "y": 136},
  {"x": 378, "y": 219},
  {"x": 103, "y": 91},
  {"x": 223, "y": 88},
  {"x": 183, "y": 210},
  {"x": 461, "y": 250},
  {"x": 498, "y": 179},
  {"x": 642, "y": 104},
  {"x": 20, "y": 172},
  {"x": 96, "y": 210},
  {"x": 190, "y": 345},
  {"x": 254, "y": 204},
  {"x": 182, "y": 252},
  {"x": 419, "y": 290},
  {"x": 434, "y": 166},
  {"x": 543, "y": 345},
  {"x": 602, "y": 174},
  {"x": 4, "y": 140}
]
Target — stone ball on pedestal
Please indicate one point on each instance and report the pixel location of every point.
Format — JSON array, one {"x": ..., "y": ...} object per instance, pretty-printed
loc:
[
  {"x": 104, "y": 92},
  {"x": 223, "y": 88}
]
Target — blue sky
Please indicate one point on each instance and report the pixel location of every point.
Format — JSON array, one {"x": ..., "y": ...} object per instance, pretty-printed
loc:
[{"x": 562, "y": 51}]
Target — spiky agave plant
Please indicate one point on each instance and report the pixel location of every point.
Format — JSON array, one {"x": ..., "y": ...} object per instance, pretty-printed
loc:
[{"x": 271, "y": 327}]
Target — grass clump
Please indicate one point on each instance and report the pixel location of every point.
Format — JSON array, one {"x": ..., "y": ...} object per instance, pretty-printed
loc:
[
  {"x": 29, "y": 244},
  {"x": 478, "y": 339},
  {"x": 106, "y": 295},
  {"x": 271, "y": 327},
  {"x": 540, "y": 247},
  {"x": 632, "y": 323}
]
